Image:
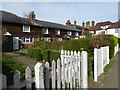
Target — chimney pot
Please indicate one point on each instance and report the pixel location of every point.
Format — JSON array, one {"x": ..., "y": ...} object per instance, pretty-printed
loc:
[
  {"x": 75, "y": 23},
  {"x": 68, "y": 22},
  {"x": 83, "y": 24},
  {"x": 32, "y": 15},
  {"x": 93, "y": 23}
]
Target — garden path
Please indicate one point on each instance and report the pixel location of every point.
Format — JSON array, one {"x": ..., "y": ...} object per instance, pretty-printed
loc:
[{"x": 22, "y": 59}]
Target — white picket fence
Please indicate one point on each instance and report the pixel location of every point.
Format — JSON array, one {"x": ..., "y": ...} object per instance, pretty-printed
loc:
[
  {"x": 116, "y": 49},
  {"x": 69, "y": 72},
  {"x": 101, "y": 59}
]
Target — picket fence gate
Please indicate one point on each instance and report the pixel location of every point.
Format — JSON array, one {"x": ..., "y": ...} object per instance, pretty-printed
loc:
[
  {"x": 101, "y": 59},
  {"x": 71, "y": 71}
]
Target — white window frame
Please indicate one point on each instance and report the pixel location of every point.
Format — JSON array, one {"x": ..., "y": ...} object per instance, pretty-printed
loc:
[
  {"x": 116, "y": 30},
  {"x": 27, "y": 38},
  {"x": 69, "y": 32},
  {"x": 57, "y": 32},
  {"x": 24, "y": 28},
  {"x": 45, "y": 31},
  {"x": 76, "y": 34}
]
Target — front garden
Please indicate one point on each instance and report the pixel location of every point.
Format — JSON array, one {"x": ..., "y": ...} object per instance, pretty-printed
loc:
[{"x": 48, "y": 51}]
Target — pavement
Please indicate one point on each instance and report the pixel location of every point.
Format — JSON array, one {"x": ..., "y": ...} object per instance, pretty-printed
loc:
[
  {"x": 22, "y": 59},
  {"x": 112, "y": 79}
]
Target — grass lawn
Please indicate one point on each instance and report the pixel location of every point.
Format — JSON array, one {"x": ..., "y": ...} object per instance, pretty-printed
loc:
[{"x": 8, "y": 68}]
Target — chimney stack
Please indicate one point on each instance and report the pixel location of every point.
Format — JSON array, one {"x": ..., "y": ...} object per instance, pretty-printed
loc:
[
  {"x": 87, "y": 24},
  {"x": 68, "y": 22},
  {"x": 93, "y": 23},
  {"x": 31, "y": 15},
  {"x": 83, "y": 24},
  {"x": 75, "y": 22}
]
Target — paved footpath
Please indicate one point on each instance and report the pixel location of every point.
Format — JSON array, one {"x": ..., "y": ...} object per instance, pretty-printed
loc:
[
  {"x": 22, "y": 59},
  {"x": 112, "y": 79}
]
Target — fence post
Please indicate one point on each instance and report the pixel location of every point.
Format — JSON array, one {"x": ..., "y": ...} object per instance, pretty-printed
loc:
[
  {"x": 3, "y": 83},
  {"x": 63, "y": 74},
  {"x": 58, "y": 74},
  {"x": 79, "y": 69},
  {"x": 53, "y": 74},
  {"x": 95, "y": 64},
  {"x": 71, "y": 72},
  {"x": 108, "y": 60},
  {"x": 85, "y": 71},
  {"x": 47, "y": 75},
  {"x": 28, "y": 78},
  {"x": 17, "y": 82},
  {"x": 39, "y": 76}
]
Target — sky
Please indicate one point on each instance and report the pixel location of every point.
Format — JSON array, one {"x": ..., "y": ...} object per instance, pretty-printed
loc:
[{"x": 60, "y": 12}]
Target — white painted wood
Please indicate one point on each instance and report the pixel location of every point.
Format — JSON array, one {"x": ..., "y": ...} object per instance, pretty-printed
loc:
[
  {"x": 17, "y": 82},
  {"x": 85, "y": 71},
  {"x": 95, "y": 65},
  {"x": 3, "y": 78},
  {"x": 28, "y": 78},
  {"x": 58, "y": 74},
  {"x": 53, "y": 74},
  {"x": 39, "y": 79},
  {"x": 63, "y": 74},
  {"x": 47, "y": 75},
  {"x": 41, "y": 75}
]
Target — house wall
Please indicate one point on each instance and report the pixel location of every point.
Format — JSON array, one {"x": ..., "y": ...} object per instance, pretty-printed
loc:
[
  {"x": 112, "y": 31},
  {"x": 54, "y": 37},
  {"x": 16, "y": 30}
]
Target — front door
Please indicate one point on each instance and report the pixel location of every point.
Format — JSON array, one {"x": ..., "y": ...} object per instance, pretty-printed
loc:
[{"x": 15, "y": 43}]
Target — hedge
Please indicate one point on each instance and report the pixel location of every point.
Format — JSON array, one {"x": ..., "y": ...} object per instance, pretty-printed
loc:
[
  {"x": 40, "y": 54},
  {"x": 34, "y": 53},
  {"x": 76, "y": 45},
  {"x": 113, "y": 42}
]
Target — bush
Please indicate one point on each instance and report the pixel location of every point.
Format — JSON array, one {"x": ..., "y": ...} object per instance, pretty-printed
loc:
[
  {"x": 8, "y": 68},
  {"x": 35, "y": 53},
  {"x": 40, "y": 54},
  {"x": 75, "y": 45},
  {"x": 113, "y": 42}
]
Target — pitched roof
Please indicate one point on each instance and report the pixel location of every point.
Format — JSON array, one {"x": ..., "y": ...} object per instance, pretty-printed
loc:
[
  {"x": 104, "y": 23},
  {"x": 55, "y": 25},
  {"x": 115, "y": 25},
  {"x": 12, "y": 18},
  {"x": 94, "y": 28}
]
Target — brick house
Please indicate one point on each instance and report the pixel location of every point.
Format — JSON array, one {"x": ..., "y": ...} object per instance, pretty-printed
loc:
[
  {"x": 106, "y": 27},
  {"x": 23, "y": 32}
]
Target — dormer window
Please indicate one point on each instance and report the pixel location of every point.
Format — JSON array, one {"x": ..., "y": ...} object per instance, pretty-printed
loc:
[
  {"x": 26, "y": 28},
  {"x": 69, "y": 32},
  {"x": 45, "y": 30},
  {"x": 57, "y": 32},
  {"x": 76, "y": 34}
]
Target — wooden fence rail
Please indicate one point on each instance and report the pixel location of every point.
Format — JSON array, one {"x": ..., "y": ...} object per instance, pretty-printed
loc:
[{"x": 70, "y": 71}]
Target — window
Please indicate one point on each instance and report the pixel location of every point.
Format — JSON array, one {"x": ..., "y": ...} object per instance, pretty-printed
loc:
[
  {"x": 45, "y": 30},
  {"x": 27, "y": 40},
  {"x": 94, "y": 32},
  {"x": 57, "y": 32},
  {"x": 116, "y": 30},
  {"x": 26, "y": 28},
  {"x": 69, "y": 33},
  {"x": 76, "y": 34}
]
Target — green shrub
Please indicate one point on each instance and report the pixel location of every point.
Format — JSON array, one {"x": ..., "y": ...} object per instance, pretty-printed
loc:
[
  {"x": 40, "y": 54},
  {"x": 113, "y": 42},
  {"x": 35, "y": 53},
  {"x": 8, "y": 68}
]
